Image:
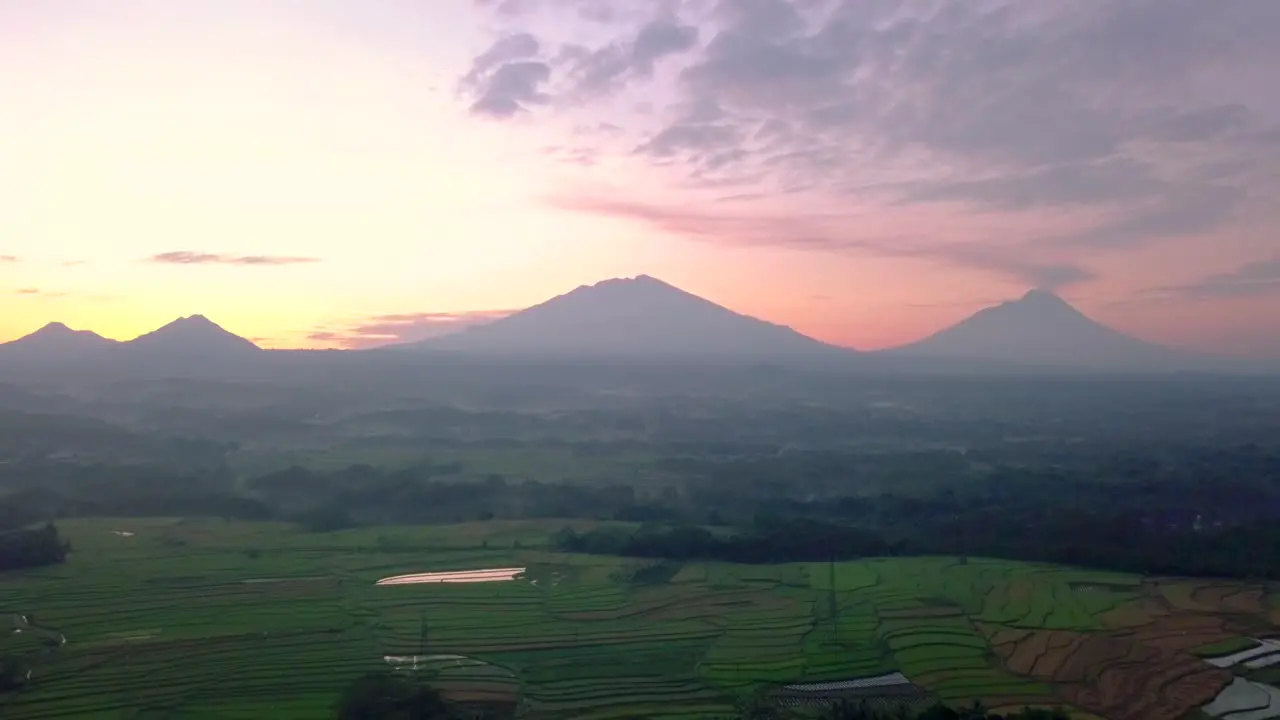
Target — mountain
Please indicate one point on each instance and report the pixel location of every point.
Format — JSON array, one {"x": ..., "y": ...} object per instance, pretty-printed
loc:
[
  {"x": 55, "y": 341},
  {"x": 640, "y": 318},
  {"x": 195, "y": 336},
  {"x": 1042, "y": 329}
]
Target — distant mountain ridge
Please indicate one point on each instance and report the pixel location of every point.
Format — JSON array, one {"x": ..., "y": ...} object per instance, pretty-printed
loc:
[
  {"x": 639, "y": 319},
  {"x": 188, "y": 334},
  {"x": 188, "y": 347},
  {"x": 1041, "y": 329},
  {"x": 636, "y": 318}
]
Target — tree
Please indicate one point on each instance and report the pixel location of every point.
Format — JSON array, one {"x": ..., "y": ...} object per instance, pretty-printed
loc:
[
  {"x": 13, "y": 674},
  {"x": 384, "y": 696}
]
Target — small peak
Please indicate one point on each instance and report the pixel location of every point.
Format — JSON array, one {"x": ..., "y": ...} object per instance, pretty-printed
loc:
[
  {"x": 190, "y": 323},
  {"x": 636, "y": 280},
  {"x": 1039, "y": 295},
  {"x": 1041, "y": 298},
  {"x": 55, "y": 327}
]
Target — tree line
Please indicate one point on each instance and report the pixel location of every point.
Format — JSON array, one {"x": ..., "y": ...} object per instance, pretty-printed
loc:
[{"x": 1188, "y": 514}]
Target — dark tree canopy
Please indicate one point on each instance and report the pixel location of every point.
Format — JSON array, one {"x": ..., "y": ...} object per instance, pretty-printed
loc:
[
  {"x": 385, "y": 696},
  {"x": 31, "y": 547}
]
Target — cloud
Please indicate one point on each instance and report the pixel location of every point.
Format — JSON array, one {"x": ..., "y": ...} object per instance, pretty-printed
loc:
[
  {"x": 8, "y": 259},
  {"x": 1144, "y": 117},
  {"x": 594, "y": 73},
  {"x": 186, "y": 257},
  {"x": 507, "y": 77},
  {"x": 1044, "y": 143},
  {"x": 973, "y": 303},
  {"x": 1003, "y": 87},
  {"x": 592, "y": 11},
  {"x": 1252, "y": 279},
  {"x": 508, "y": 7},
  {"x": 403, "y": 328},
  {"x": 31, "y": 292},
  {"x": 518, "y": 46},
  {"x": 1107, "y": 181},
  {"x": 517, "y": 73},
  {"x": 511, "y": 89},
  {"x": 1185, "y": 211},
  {"x": 836, "y": 233}
]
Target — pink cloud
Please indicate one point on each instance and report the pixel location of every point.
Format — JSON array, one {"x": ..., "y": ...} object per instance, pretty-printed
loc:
[
  {"x": 400, "y": 328},
  {"x": 32, "y": 292},
  {"x": 187, "y": 257}
]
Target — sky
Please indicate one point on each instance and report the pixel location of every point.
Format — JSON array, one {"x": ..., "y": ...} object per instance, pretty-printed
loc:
[{"x": 345, "y": 173}]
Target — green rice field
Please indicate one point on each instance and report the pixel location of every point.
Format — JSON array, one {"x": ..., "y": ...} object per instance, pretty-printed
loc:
[{"x": 208, "y": 619}]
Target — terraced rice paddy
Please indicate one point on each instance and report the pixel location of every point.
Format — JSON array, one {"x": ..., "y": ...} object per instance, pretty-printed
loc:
[{"x": 235, "y": 620}]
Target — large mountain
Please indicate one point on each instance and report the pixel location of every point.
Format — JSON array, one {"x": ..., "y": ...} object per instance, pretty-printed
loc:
[
  {"x": 640, "y": 318},
  {"x": 1041, "y": 329}
]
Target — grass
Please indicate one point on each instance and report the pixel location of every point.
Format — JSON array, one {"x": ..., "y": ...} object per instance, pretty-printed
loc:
[{"x": 206, "y": 619}]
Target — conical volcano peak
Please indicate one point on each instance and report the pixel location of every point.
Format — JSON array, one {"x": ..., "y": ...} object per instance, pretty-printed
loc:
[
  {"x": 53, "y": 328},
  {"x": 639, "y": 281},
  {"x": 195, "y": 322},
  {"x": 1037, "y": 302},
  {"x": 194, "y": 332},
  {"x": 60, "y": 330},
  {"x": 1042, "y": 296},
  {"x": 57, "y": 338},
  {"x": 1041, "y": 328}
]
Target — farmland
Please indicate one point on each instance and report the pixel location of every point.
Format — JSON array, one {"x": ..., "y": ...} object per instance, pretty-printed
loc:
[{"x": 214, "y": 619}]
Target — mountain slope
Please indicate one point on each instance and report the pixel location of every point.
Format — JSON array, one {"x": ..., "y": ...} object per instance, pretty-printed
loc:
[
  {"x": 195, "y": 335},
  {"x": 55, "y": 340},
  {"x": 635, "y": 318},
  {"x": 1043, "y": 329},
  {"x": 186, "y": 348}
]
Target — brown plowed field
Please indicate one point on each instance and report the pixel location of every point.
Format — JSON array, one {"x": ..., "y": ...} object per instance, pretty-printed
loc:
[
  {"x": 1191, "y": 596},
  {"x": 1115, "y": 675},
  {"x": 1185, "y": 632},
  {"x": 1135, "y": 614}
]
